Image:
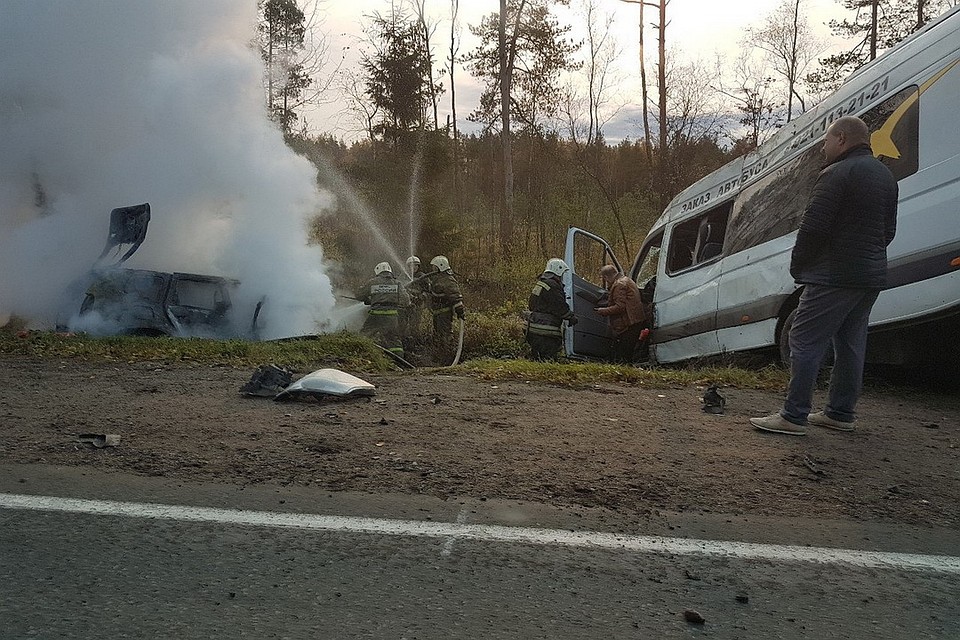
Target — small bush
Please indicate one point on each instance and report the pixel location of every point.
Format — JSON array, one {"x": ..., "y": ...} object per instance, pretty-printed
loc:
[{"x": 494, "y": 335}]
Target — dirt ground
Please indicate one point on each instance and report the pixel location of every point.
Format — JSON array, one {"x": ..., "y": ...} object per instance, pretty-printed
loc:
[{"x": 625, "y": 448}]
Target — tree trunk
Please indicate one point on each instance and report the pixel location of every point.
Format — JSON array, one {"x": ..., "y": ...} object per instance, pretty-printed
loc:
[
  {"x": 873, "y": 29},
  {"x": 647, "y": 147},
  {"x": 457, "y": 198},
  {"x": 506, "y": 76},
  {"x": 792, "y": 63},
  {"x": 662, "y": 85}
]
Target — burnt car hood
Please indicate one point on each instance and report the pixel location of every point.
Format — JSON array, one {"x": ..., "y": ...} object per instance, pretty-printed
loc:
[{"x": 128, "y": 226}]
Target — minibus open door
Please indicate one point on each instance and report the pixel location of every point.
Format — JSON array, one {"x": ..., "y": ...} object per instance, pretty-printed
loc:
[{"x": 585, "y": 253}]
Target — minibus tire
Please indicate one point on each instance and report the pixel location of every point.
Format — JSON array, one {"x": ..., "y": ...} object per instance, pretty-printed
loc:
[{"x": 783, "y": 340}]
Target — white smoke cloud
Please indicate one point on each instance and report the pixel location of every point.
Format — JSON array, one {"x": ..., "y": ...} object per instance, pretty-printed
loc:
[{"x": 119, "y": 102}]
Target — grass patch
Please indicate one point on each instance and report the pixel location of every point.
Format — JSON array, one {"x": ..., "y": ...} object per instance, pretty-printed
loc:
[
  {"x": 578, "y": 373},
  {"x": 498, "y": 355},
  {"x": 338, "y": 350}
]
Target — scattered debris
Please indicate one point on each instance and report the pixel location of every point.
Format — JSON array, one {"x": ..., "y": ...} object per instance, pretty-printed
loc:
[
  {"x": 435, "y": 400},
  {"x": 693, "y": 616},
  {"x": 895, "y": 488},
  {"x": 930, "y": 425},
  {"x": 267, "y": 381},
  {"x": 810, "y": 464},
  {"x": 99, "y": 440},
  {"x": 327, "y": 382},
  {"x": 743, "y": 598},
  {"x": 713, "y": 402},
  {"x": 690, "y": 575}
]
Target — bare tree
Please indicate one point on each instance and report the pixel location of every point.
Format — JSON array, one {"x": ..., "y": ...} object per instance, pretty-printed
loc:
[
  {"x": 694, "y": 121},
  {"x": 647, "y": 146},
  {"x": 428, "y": 29},
  {"x": 751, "y": 90},
  {"x": 662, "y": 81},
  {"x": 790, "y": 45},
  {"x": 317, "y": 59},
  {"x": 363, "y": 110},
  {"x": 451, "y": 62},
  {"x": 602, "y": 53}
]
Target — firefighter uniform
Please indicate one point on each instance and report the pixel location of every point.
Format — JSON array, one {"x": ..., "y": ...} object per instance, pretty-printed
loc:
[
  {"x": 418, "y": 289},
  {"x": 386, "y": 297},
  {"x": 446, "y": 301},
  {"x": 548, "y": 309}
]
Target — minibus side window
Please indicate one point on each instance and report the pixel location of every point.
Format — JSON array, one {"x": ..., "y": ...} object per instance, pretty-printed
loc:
[
  {"x": 648, "y": 261},
  {"x": 698, "y": 240}
]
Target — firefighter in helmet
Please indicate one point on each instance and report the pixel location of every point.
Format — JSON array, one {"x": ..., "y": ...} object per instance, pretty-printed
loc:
[
  {"x": 446, "y": 301},
  {"x": 418, "y": 288},
  {"x": 386, "y": 297},
  {"x": 548, "y": 311}
]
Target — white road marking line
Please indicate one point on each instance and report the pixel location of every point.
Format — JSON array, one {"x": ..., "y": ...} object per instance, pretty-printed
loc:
[
  {"x": 492, "y": 533},
  {"x": 448, "y": 545}
]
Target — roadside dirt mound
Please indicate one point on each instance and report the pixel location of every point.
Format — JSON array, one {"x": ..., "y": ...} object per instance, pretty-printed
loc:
[{"x": 626, "y": 448}]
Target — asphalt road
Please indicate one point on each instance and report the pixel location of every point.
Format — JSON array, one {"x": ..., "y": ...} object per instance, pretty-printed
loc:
[{"x": 82, "y": 575}]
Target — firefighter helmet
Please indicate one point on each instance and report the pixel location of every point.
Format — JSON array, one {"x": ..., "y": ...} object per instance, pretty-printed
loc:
[
  {"x": 441, "y": 263},
  {"x": 380, "y": 268},
  {"x": 557, "y": 267},
  {"x": 413, "y": 260}
]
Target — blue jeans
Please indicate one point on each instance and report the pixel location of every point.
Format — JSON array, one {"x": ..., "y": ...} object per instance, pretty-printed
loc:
[{"x": 828, "y": 315}]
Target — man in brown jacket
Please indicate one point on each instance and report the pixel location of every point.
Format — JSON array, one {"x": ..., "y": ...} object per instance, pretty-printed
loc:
[{"x": 624, "y": 312}]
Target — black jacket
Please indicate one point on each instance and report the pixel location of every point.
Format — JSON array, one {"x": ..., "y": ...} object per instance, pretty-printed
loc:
[
  {"x": 849, "y": 221},
  {"x": 548, "y": 303}
]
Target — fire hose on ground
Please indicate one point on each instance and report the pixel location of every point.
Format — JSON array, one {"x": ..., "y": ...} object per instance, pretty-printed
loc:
[{"x": 459, "y": 345}]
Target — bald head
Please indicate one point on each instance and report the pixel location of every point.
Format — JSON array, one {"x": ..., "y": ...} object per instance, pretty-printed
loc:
[
  {"x": 853, "y": 128},
  {"x": 845, "y": 134},
  {"x": 609, "y": 273}
]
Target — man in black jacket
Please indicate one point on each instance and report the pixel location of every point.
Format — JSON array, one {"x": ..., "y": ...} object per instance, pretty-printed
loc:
[
  {"x": 548, "y": 310},
  {"x": 840, "y": 257}
]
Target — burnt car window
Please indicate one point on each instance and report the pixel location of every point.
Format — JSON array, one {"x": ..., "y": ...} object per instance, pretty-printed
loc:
[{"x": 198, "y": 293}]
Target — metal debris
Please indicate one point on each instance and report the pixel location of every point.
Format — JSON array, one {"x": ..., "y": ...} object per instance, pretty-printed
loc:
[{"x": 99, "y": 440}]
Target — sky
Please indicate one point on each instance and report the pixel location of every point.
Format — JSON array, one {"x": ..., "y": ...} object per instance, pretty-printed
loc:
[{"x": 698, "y": 30}]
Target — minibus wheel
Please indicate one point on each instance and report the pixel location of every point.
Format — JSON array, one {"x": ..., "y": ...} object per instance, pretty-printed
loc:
[{"x": 783, "y": 340}]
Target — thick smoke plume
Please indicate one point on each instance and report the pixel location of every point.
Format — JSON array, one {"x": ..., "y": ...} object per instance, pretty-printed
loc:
[{"x": 113, "y": 103}]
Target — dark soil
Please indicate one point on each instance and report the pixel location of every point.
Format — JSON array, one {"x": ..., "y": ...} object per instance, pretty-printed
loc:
[{"x": 630, "y": 449}]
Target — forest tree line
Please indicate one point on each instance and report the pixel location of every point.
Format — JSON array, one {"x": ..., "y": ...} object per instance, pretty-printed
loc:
[{"x": 498, "y": 201}]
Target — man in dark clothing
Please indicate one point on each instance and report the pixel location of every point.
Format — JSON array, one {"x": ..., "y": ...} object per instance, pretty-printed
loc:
[
  {"x": 840, "y": 257},
  {"x": 548, "y": 310},
  {"x": 386, "y": 297}
]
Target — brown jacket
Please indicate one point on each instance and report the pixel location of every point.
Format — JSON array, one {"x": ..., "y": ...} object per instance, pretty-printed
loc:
[{"x": 625, "y": 308}]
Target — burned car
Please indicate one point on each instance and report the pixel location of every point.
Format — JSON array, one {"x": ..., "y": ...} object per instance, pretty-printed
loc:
[
  {"x": 118, "y": 300},
  {"x": 141, "y": 302}
]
